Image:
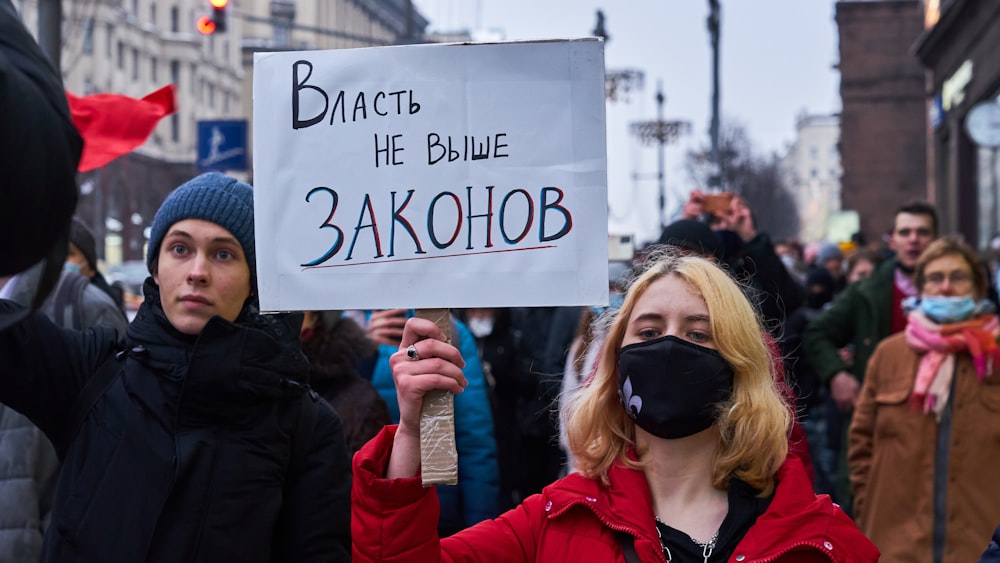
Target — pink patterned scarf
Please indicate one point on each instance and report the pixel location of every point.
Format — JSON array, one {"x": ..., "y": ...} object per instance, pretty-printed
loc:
[{"x": 940, "y": 343}]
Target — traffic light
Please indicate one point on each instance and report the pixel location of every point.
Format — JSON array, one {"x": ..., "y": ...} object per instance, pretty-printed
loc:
[{"x": 208, "y": 25}]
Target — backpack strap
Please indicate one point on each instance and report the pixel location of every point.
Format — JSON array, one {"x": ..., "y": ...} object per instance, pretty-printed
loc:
[
  {"x": 628, "y": 547},
  {"x": 95, "y": 387}
]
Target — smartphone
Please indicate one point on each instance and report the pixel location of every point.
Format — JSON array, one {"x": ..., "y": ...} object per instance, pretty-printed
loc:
[{"x": 717, "y": 203}]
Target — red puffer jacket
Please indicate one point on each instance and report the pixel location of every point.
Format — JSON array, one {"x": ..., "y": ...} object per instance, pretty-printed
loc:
[{"x": 575, "y": 519}]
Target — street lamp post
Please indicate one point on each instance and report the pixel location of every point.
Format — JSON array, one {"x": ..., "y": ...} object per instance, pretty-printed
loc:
[
  {"x": 49, "y": 35},
  {"x": 663, "y": 133},
  {"x": 714, "y": 23},
  {"x": 618, "y": 83}
]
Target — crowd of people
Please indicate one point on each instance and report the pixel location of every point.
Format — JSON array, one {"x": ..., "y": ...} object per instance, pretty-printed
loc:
[{"x": 738, "y": 399}]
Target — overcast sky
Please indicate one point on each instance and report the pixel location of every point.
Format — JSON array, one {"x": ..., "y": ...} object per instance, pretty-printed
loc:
[{"x": 777, "y": 60}]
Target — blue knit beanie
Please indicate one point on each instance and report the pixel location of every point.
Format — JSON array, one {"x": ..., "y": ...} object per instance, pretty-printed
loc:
[
  {"x": 212, "y": 197},
  {"x": 829, "y": 251}
]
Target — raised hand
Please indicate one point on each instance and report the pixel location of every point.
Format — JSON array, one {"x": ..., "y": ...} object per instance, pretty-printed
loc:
[
  {"x": 386, "y": 326},
  {"x": 424, "y": 362}
]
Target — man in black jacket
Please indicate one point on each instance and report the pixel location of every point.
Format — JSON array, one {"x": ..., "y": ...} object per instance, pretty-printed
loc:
[{"x": 200, "y": 440}]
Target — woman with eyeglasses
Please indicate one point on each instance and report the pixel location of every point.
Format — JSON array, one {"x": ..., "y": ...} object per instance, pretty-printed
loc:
[{"x": 923, "y": 443}]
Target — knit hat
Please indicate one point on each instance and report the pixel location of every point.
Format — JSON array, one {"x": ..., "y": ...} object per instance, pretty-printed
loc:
[
  {"x": 212, "y": 197},
  {"x": 828, "y": 252},
  {"x": 691, "y": 235},
  {"x": 81, "y": 237}
]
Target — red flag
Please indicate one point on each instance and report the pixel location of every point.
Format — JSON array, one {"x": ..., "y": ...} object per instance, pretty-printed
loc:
[{"x": 112, "y": 125}]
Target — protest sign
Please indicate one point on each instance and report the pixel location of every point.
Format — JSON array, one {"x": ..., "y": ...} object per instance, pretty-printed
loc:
[{"x": 428, "y": 176}]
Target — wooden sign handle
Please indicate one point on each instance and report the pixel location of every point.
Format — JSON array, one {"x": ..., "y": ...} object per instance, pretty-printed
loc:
[{"x": 438, "y": 454}]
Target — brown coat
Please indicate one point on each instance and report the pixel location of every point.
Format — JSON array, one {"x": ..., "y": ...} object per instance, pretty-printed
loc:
[{"x": 892, "y": 447}]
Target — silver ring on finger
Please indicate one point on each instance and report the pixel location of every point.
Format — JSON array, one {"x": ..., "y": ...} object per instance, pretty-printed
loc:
[{"x": 411, "y": 353}]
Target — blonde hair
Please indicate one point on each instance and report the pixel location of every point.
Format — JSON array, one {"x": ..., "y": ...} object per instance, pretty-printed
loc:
[{"x": 753, "y": 423}]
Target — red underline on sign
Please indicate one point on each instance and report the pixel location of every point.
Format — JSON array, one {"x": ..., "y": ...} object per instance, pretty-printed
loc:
[{"x": 432, "y": 257}]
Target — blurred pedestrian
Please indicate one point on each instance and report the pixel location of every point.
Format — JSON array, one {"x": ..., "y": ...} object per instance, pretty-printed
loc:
[
  {"x": 921, "y": 443},
  {"x": 861, "y": 264},
  {"x": 498, "y": 352},
  {"x": 82, "y": 255},
  {"x": 199, "y": 440},
  {"x": 865, "y": 313},
  {"x": 680, "y": 439},
  {"x": 335, "y": 346},
  {"x": 831, "y": 259}
]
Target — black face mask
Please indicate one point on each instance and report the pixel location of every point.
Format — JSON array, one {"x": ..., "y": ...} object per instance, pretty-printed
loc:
[{"x": 670, "y": 387}]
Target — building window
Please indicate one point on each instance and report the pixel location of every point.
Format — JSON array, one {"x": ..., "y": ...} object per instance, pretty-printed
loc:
[
  {"x": 175, "y": 19},
  {"x": 813, "y": 153},
  {"x": 152, "y": 13},
  {"x": 135, "y": 64},
  {"x": 194, "y": 71},
  {"x": 153, "y": 63},
  {"x": 833, "y": 174},
  {"x": 814, "y": 173},
  {"x": 211, "y": 95},
  {"x": 175, "y": 128},
  {"x": 121, "y": 56},
  {"x": 107, "y": 42},
  {"x": 135, "y": 8},
  {"x": 88, "y": 36},
  {"x": 175, "y": 73}
]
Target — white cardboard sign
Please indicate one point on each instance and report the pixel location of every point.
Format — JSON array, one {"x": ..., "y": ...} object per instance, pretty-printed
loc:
[{"x": 460, "y": 175}]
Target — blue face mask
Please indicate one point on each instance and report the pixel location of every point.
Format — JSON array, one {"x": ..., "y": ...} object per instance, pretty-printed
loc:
[
  {"x": 71, "y": 267},
  {"x": 943, "y": 309}
]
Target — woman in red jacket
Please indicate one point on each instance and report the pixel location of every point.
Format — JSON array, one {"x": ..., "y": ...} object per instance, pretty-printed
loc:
[{"x": 680, "y": 439}]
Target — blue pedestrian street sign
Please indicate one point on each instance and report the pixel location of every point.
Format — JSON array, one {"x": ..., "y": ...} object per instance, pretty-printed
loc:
[{"x": 222, "y": 145}]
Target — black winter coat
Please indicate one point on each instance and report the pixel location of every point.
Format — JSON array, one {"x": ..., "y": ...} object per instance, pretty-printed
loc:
[{"x": 186, "y": 456}]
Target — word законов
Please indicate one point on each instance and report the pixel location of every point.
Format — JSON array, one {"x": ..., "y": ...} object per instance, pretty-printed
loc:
[{"x": 367, "y": 221}]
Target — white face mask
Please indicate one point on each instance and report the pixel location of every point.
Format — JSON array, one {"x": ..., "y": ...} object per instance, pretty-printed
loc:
[{"x": 481, "y": 327}]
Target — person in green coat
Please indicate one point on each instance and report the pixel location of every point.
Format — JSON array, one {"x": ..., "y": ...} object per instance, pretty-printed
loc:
[
  {"x": 865, "y": 313},
  {"x": 868, "y": 311}
]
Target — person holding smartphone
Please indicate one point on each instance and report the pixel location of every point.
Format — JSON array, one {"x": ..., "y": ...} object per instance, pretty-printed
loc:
[{"x": 748, "y": 253}]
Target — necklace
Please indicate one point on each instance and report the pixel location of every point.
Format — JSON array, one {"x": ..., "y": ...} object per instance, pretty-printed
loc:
[{"x": 706, "y": 547}]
